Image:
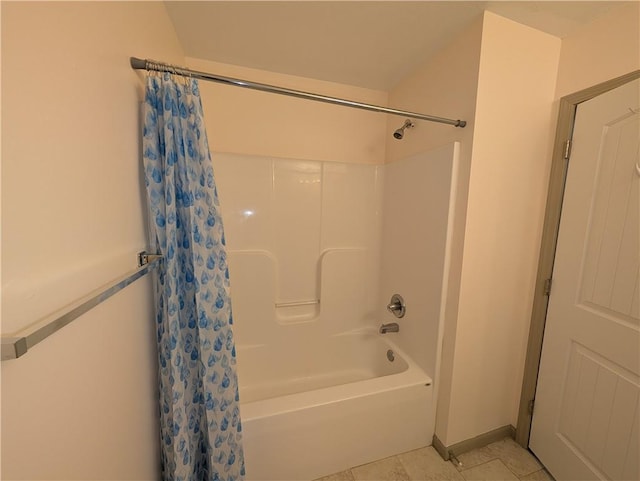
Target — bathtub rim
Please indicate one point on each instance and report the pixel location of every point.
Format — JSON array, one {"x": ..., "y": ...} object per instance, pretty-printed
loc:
[{"x": 412, "y": 376}]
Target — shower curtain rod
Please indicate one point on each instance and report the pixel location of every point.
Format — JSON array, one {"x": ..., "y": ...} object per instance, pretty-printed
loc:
[{"x": 145, "y": 64}]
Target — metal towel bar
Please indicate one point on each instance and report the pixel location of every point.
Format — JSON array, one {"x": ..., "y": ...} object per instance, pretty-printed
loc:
[{"x": 18, "y": 343}]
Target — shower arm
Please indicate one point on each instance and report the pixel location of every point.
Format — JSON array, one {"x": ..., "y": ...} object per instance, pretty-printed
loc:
[{"x": 151, "y": 65}]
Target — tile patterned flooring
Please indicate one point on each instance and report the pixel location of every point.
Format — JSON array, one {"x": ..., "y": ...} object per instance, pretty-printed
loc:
[{"x": 503, "y": 460}]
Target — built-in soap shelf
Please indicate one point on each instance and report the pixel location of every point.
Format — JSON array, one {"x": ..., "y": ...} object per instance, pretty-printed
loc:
[
  {"x": 340, "y": 278},
  {"x": 298, "y": 303},
  {"x": 295, "y": 312},
  {"x": 298, "y": 311}
]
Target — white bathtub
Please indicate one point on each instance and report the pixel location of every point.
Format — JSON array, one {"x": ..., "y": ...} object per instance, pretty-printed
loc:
[{"x": 321, "y": 406}]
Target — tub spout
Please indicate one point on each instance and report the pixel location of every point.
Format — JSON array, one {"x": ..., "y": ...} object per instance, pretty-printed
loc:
[{"x": 391, "y": 327}]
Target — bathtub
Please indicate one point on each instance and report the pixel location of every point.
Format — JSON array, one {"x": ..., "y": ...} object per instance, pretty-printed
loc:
[{"x": 320, "y": 406}]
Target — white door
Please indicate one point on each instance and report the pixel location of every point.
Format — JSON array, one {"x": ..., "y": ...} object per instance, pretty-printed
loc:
[{"x": 587, "y": 414}]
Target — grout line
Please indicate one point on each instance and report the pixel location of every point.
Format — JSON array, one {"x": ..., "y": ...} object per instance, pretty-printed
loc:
[
  {"x": 459, "y": 471},
  {"x": 466, "y": 467},
  {"x": 511, "y": 470},
  {"x": 482, "y": 464},
  {"x": 505, "y": 465},
  {"x": 525, "y": 474}
]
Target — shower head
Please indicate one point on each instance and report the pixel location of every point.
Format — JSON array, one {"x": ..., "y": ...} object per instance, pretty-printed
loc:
[{"x": 398, "y": 134}]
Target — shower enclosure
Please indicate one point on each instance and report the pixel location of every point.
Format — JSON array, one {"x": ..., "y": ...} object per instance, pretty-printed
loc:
[{"x": 316, "y": 250}]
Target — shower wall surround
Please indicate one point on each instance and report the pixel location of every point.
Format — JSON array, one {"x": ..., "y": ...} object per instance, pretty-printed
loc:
[
  {"x": 418, "y": 211},
  {"x": 318, "y": 248},
  {"x": 303, "y": 242}
]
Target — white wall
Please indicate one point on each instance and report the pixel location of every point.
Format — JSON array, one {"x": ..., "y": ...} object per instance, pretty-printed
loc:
[
  {"x": 445, "y": 86},
  {"x": 522, "y": 73},
  {"x": 604, "y": 49},
  {"x": 505, "y": 211},
  {"x": 82, "y": 404},
  {"x": 243, "y": 121},
  {"x": 500, "y": 77}
]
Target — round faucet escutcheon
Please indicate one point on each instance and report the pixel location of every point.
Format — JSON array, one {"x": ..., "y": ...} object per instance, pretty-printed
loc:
[{"x": 397, "y": 306}]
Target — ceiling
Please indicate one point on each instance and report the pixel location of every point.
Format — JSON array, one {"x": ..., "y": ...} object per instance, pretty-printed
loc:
[{"x": 363, "y": 43}]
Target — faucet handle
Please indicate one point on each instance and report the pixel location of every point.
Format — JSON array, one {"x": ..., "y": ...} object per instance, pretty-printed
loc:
[
  {"x": 397, "y": 306},
  {"x": 393, "y": 306}
]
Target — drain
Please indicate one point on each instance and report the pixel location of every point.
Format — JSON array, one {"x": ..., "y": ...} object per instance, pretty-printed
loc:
[{"x": 390, "y": 355}]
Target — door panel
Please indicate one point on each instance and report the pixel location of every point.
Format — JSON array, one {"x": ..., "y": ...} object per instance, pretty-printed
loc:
[
  {"x": 609, "y": 279},
  {"x": 585, "y": 424}
]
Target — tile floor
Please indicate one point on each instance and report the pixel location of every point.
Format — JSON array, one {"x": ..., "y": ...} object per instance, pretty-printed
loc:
[{"x": 500, "y": 461}]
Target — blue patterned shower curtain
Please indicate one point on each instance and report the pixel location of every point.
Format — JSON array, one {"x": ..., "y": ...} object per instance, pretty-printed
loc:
[{"x": 199, "y": 412}]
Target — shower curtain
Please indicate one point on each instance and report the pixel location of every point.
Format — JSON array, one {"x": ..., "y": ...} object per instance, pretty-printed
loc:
[{"x": 199, "y": 412}]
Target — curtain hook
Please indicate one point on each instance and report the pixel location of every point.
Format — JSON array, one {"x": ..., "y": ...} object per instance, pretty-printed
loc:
[{"x": 155, "y": 68}]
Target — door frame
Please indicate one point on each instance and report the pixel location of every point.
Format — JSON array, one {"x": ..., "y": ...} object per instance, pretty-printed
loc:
[{"x": 557, "y": 177}]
